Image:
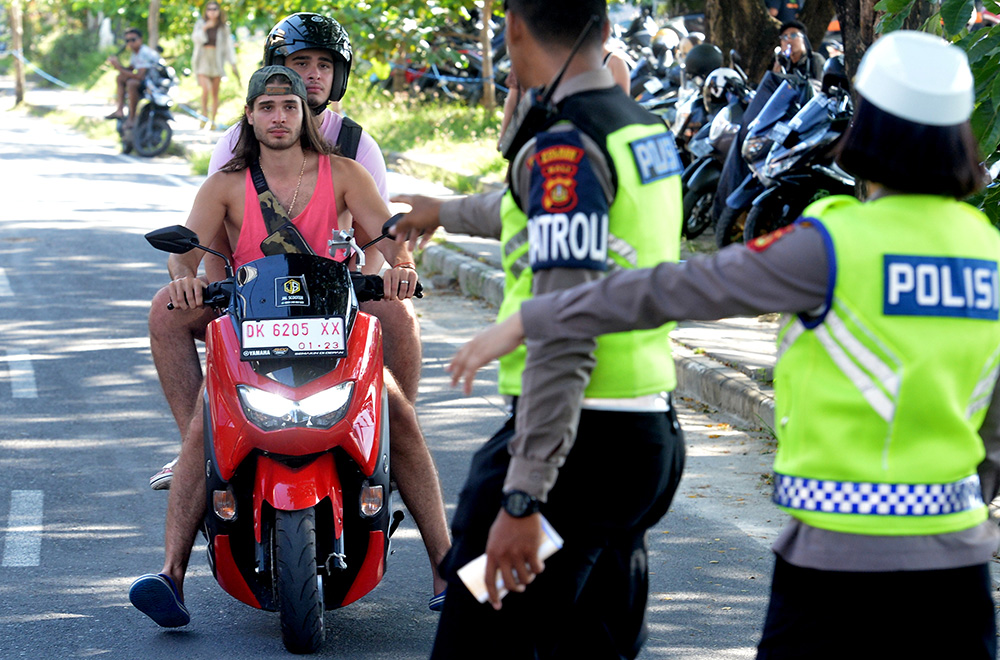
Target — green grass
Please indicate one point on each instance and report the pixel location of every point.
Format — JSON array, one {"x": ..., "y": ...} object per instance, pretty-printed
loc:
[{"x": 447, "y": 142}]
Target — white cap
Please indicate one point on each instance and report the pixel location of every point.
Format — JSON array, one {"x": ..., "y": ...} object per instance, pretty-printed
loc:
[{"x": 918, "y": 77}]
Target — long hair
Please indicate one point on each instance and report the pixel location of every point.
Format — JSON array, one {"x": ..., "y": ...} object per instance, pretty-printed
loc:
[
  {"x": 910, "y": 157},
  {"x": 247, "y": 149}
]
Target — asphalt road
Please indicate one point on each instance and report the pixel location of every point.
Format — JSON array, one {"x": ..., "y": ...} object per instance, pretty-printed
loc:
[{"x": 84, "y": 426}]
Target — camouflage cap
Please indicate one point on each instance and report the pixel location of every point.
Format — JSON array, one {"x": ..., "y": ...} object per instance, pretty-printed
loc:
[{"x": 259, "y": 83}]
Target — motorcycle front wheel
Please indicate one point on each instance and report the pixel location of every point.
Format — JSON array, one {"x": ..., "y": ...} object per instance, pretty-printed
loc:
[
  {"x": 729, "y": 227},
  {"x": 300, "y": 593},
  {"x": 697, "y": 212},
  {"x": 772, "y": 214},
  {"x": 151, "y": 138}
]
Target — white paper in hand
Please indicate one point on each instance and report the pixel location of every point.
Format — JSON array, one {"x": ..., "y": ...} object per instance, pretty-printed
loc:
[{"x": 473, "y": 574}]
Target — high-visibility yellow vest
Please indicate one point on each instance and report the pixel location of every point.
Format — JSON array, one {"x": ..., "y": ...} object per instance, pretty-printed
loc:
[{"x": 879, "y": 400}]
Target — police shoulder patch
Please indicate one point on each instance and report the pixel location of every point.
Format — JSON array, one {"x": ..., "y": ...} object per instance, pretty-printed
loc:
[
  {"x": 761, "y": 243},
  {"x": 567, "y": 209}
]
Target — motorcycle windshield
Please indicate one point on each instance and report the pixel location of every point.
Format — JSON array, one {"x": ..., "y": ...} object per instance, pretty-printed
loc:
[
  {"x": 293, "y": 305},
  {"x": 777, "y": 108},
  {"x": 815, "y": 112}
]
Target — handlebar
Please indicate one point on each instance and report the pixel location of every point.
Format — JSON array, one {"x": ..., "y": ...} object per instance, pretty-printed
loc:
[{"x": 367, "y": 287}]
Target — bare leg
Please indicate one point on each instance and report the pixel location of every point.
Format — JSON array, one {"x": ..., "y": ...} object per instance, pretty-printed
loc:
[
  {"x": 172, "y": 335},
  {"x": 132, "y": 86},
  {"x": 417, "y": 478},
  {"x": 214, "y": 90},
  {"x": 121, "y": 80},
  {"x": 186, "y": 505},
  {"x": 203, "y": 81},
  {"x": 401, "y": 346}
]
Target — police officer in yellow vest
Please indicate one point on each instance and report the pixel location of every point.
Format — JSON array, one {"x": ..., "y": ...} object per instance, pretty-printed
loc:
[
  {"x": 888, "y": 417},
  {"x": 594, "y": 189}
]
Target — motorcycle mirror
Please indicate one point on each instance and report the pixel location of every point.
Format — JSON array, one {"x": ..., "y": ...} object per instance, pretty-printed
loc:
[
  {"x": 734, "y": 57},
  {"x": 176, "y": 239},
  {"x": 389, "y": 224}
]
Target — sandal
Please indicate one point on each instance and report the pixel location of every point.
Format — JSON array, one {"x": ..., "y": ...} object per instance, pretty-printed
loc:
[{"x": 156, "y": 596}]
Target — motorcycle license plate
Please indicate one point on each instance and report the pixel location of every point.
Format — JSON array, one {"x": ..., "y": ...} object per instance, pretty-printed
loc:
[
  {"x": 780, "y": 132},
  {"x": 299, "y": 337}
]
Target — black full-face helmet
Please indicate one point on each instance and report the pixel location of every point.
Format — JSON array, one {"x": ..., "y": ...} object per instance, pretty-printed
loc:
[{"x": 307, "y": 30}]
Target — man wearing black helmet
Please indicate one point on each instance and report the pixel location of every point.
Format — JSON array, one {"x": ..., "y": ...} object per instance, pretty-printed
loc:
[{"x": 318, "y": 48}]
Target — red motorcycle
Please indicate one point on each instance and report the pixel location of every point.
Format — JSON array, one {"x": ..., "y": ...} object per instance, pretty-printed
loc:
[{"x": 299, "y": 498}]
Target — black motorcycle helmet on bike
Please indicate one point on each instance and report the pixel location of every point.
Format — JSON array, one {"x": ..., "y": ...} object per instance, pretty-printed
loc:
[
  {"x": 702, "y": 60},
  {"x": 308, "y": 30},
  {"x": 835, "y": 74}
]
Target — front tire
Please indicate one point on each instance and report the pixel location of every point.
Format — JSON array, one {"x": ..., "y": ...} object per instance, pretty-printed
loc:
[
  {"x": 697, "y": 212},
  {"x": 729, "y": 227},
  {"x": 151, "y": 138},
  {"x": 300, "y": 596}
]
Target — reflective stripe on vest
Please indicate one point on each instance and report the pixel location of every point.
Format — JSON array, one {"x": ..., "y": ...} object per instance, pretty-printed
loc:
[
  {"x": 874, "y": 499},
  {"x": 983, "y": 393}
]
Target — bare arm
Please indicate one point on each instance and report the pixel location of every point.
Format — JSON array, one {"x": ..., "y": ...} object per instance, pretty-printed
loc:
[
  {"x": 207, "y": 219},
  {"x": 619, "y": 70},
  {"x": 369, "y": 212}
]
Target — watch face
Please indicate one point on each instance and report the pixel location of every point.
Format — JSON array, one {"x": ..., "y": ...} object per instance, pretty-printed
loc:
[{"x": 519, "y": 504}]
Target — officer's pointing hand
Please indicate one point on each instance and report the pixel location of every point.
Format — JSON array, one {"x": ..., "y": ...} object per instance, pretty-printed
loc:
[
  {"x": 417, "y": 227},
  {"x": 488, "y": 345}
]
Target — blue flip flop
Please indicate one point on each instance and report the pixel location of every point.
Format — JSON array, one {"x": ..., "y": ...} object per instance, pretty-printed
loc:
[
  {"x": 156, "y": 596},
  {"x": 436, "y": 603}
]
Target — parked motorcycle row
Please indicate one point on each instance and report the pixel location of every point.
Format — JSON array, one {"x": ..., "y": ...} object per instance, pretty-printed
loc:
[
  {"x": 776, "y": 142},
  {"x": 784, "y": 156},
  {"x": 457, "y": 72}
]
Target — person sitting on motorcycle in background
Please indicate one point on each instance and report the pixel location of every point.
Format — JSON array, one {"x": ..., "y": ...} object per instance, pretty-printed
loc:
[
  {"x": 795, "y": 54},
  {"x": 304, "y": 174},
  {"x": 318, "y": 48},
  {"x": 131, "y": 77}
]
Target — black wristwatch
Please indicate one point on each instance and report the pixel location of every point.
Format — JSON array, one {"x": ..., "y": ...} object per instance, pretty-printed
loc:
[{"x": 518, "y": 504}]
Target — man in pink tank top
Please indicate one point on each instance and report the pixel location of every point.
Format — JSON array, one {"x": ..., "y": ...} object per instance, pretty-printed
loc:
[
  {"x": 319, "y": 50},
  {"x": 317, "y": 190}
]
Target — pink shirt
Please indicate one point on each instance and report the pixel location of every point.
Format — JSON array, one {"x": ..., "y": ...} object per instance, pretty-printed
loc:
[
  {"x": 369, "y": 154},
  {"x": 316, "y": 222}
]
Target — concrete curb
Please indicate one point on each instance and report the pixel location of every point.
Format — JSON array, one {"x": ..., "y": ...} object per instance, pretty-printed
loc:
[{"x": 698, "y": 376}]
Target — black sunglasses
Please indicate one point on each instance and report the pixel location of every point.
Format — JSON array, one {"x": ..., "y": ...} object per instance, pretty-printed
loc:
[{"x": 131, "y": 39}]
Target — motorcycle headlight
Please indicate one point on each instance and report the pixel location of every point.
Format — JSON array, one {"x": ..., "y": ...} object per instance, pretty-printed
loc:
[
  {"x": 756, "y": 148},
  {"x": 162, "y": 99},
  {"x": 271, "y": 411},
  {"x": 783, "y": 159}
]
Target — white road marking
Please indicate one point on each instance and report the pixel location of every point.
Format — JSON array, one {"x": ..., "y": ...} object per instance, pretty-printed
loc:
[
  {"x": 5, "y": 289},
  {"x": 22, "y": 376},
  {"x": 23, "y": 540}
]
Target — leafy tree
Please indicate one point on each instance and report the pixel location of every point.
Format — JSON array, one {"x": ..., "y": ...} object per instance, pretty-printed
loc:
[{"x": 950, "y": 20}]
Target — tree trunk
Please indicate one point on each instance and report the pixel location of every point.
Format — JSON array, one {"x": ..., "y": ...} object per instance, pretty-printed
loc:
[
  {"x": 744, "y": 25},
  {"x": 922, "y": 10},
  {"x": 153, "y": 24},
  {"x": 816, "y": 16},
  {"x": 857, "y": 27},
  {"x": 17, "y": 42},
  {"x": 486, "y": 38}
]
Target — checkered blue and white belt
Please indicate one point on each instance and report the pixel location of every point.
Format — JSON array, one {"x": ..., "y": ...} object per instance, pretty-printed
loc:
[{"x": 877, "y": 499}]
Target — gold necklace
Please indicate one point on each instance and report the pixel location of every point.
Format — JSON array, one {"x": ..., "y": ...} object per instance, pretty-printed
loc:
[
  {"x": 298, "y": 185},
  {"x": 295, "y": 195}
]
